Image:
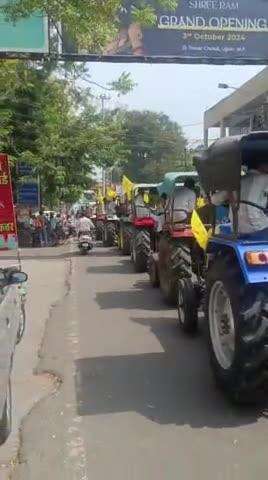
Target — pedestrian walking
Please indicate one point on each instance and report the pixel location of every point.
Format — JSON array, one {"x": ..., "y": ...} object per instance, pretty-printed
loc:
[{"x": 42, "y": 228}]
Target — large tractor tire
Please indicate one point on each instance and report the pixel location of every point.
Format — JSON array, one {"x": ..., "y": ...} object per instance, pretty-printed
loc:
[
  {"x": 185, "y": 261},
  {"x": 172, "y": 266},
  {"x": 140, "y": 250},
  {"x": 126, "y": 234},
  {"x": 153, "y": 270},
  {"x": 187, "y": 298},
  {"x": 237, "y": 324},
  {"x": 110, "y": 235}
]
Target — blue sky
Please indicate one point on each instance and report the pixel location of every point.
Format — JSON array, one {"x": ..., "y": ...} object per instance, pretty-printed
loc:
[{"x": 183, "y": 92}]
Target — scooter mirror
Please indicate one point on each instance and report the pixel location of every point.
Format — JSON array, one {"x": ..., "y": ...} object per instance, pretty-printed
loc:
[{"x": 17, "y": 278}]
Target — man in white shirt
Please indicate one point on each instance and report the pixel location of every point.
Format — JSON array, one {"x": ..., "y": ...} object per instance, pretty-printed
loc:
[
  {"x": 84, "y": 225},
  {"x": 111, "y": 208},
  {"x": 254, "y": 189},
  {"x": 185, "y": 200}
]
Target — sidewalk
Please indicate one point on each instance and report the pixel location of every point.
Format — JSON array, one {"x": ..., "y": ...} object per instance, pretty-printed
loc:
[{"x": 47, "y": 270}]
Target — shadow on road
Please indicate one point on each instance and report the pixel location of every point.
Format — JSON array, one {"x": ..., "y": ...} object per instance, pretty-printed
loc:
[
  {"x": 124, "y": 267},
  {"x": 129, "y": 300},
  {"x": 100, "y": 251},
  {"x": 140, "y": 297},
  {"x": 173, "y": 387}
]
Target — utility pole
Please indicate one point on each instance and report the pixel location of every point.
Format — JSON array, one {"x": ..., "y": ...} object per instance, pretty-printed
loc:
[{"x": 103, "y": 98}]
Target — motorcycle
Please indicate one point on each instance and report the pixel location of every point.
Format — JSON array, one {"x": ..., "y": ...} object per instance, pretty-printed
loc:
[{"x": 85, "y": 242}]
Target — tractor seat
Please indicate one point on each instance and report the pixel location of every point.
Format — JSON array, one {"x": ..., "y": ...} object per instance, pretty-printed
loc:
[
  {"x": 180, "y": 217},
  {"x": 142, "y": 211}
]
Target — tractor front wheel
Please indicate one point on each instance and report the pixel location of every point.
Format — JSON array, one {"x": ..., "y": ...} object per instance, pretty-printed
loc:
[
  {"x": 187, "y": 306},
  {"x": 99, "y": 231},
  {"x": 153, "y": 271},
  {"x": 110, "y": 235}
]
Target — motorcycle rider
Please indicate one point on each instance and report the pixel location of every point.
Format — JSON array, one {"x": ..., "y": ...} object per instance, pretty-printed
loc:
[{"x": 84, "y": 225}]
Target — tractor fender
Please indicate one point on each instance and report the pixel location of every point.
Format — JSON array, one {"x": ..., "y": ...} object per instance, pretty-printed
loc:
[{"x": 237, "y": 249}]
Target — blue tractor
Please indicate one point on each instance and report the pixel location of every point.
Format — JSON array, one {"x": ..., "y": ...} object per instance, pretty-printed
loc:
[{"x": 232, "y": 274}]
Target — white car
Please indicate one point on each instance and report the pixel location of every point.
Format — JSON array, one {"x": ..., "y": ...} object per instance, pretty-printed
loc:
[{"x": 12, "y": 325}]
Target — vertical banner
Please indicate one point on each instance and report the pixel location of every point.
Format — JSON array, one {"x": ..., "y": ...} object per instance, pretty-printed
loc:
[{"x": 8, "y": 228}]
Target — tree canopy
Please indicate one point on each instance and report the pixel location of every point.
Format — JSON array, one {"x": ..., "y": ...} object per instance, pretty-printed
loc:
[
  {"x": 92, "y": 23},
  {"x": 50, "y": 123},
  {"x": 156, "y": 146}
]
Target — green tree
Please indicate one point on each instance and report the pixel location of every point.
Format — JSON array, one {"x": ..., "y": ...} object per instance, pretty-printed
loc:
[
  {"x": 70, "y": 145},
  {"x": 156, "y": 146},
  {"x": 50, "y": 123},
  {"x": 91, "y": 24}
]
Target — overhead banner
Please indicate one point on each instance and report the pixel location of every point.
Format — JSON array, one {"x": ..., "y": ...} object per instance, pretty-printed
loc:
[
  {"x": 8, "y": 228},
  {"x": 28, "y": 35},
  {"x": 198, "y": 31}
]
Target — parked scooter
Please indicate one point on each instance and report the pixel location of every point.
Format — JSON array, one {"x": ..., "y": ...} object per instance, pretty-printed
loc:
[
  {"x": 85, "y": 242},
  {"x": 12, "y": 320}
]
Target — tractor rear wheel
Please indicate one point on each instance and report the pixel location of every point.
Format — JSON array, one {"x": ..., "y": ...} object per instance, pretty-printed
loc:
[
  {"x": 168, "y": 287},
  {"x": 187, "y": 306},
  {"x": 172, "y": 267},
  {"x": 140, "y": 250},
  {"x": 237, "y": 325}
]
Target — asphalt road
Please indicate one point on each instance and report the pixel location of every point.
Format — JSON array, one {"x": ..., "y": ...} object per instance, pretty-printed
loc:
[{"x": 137, "y": 401}]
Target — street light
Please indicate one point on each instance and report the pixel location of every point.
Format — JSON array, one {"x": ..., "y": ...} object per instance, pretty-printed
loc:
[
  {"x": 225, "y": 86},
  {"x": 103, "y": 98}
]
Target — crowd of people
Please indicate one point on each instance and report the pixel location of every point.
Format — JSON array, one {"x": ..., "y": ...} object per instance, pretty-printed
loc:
[{"x": 45, "y": 229}]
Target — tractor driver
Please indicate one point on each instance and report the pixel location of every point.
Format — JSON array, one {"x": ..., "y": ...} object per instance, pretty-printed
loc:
[
  {"x": 185, "y": 200},
  {"x": 252, "y": 220}
]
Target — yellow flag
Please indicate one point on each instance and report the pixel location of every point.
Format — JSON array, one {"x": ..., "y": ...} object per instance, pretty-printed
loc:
[
  {"x": 199, "y": 230},
  {"x": 200, "y": 202},
  {"x": 110, "y": 193},
  {"x": 127, "y": 187},
  {"x": 146, "y": 198}
]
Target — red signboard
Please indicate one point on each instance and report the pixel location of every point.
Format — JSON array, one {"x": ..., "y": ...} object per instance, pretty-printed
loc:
[{"x": 8, "y": 228}]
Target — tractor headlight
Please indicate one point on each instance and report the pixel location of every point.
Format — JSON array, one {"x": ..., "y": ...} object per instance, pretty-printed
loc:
[{"x": 257, "y": 258}]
